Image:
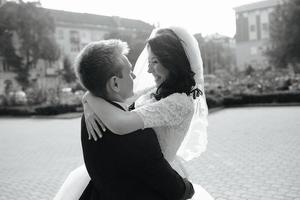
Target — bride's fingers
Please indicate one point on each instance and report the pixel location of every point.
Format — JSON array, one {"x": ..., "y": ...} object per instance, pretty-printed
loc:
[
  {"x": 96, "y": 129},
  {"x": 100, "y": 123},
  {"x": 92, "y": 132},
  {"x": 89, "y": 129},
  {"x": 92, "y": 127}
]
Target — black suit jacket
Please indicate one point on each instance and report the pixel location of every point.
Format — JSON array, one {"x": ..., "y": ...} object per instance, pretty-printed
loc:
[{"x": 130, "y": 167}]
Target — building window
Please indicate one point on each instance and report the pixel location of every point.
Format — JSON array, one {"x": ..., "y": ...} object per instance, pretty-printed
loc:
[
  {"x": 60, "y": 34},
  {"x": 253, "y": 50},
  {"x": 265, "y": 27},
  {"x": 74, "y": 37},
  {"x": 245, "y": 15},
  {"x": 252, "y": 28},
  {"x": 75, "y": 48},
  {"x": 74, "y": 41}
]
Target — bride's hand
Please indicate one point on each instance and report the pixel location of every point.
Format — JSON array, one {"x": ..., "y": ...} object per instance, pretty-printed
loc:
[{"x": 92, "y": 121}]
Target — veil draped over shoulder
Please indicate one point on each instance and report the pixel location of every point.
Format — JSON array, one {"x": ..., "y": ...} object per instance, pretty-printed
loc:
[{"x": 195, "y": 141}]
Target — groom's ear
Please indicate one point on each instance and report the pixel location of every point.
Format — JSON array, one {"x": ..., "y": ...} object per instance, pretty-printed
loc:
[{"x": 113, "y": 84}]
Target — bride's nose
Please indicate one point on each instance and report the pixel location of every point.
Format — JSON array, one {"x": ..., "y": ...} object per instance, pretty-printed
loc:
[{"x": 150, "y": 69}]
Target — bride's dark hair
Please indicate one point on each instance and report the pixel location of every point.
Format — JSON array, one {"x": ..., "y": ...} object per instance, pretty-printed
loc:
[{"x": 167, "y": 47}]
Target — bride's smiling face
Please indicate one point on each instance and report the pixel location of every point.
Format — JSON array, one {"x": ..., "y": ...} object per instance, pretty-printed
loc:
[{"x": 159, "y": 72}]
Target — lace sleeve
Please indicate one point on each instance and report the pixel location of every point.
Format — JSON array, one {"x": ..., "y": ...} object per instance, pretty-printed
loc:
[
  {"x": 169, "y": 111},
  {"x": 138, "y": 94}
]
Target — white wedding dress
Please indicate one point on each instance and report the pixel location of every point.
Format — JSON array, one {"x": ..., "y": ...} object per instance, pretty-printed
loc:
[{"x": 170, "y": 118}]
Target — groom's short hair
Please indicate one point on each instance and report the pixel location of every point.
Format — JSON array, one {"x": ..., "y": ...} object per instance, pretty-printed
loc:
[{"x": 98, "y": 62}]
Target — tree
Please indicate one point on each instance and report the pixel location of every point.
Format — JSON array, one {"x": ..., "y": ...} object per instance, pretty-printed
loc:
[
  {"x": 34, "y": 28},
  {"x": 68, "y": 73},
  {"x": 50, "y": 51},
  {"x": 284, "y": 45},
  {"x": 7, "y": 50},
  {"x": 8, "y": 86}
]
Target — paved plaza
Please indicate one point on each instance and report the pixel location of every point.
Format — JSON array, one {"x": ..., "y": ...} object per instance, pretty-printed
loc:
[{"x": 253, "y": 154}]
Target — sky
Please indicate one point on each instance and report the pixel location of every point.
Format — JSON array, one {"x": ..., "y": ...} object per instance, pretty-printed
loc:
[{"x": 198, "y": 16}]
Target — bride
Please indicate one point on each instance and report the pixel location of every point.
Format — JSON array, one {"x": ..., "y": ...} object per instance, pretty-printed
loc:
[{"x": 174, "y": 106}]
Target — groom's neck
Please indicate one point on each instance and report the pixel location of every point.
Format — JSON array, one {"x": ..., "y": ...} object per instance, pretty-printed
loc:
[{"x": 115, "y": 98}]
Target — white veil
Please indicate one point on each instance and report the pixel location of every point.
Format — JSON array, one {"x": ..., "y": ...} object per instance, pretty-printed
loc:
[
  {"x": 195, "y": 141},
  {"x": 143, "y": 80}
]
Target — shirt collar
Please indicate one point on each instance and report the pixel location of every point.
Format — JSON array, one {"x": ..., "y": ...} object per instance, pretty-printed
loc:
[{"x": 123, "y": 105}]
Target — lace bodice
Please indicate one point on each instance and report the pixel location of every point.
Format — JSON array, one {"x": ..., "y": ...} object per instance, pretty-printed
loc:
[{"x": 169, "y": 117}]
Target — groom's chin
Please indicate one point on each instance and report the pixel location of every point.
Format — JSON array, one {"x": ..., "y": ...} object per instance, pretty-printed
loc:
[{"x": 130, "y": 94}]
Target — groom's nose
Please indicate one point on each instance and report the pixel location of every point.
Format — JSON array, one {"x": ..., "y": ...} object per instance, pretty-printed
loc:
[{"x": 133, "y": 75}]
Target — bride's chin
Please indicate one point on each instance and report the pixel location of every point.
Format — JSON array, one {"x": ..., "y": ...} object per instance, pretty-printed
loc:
[{"x": 158, "y": 82}]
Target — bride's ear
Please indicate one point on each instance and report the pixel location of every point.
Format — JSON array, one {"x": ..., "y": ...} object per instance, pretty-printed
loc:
[{"x": 113, "y": 84}]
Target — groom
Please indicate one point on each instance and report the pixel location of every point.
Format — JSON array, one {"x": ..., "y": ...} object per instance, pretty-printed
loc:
[{"x": 129, "y": 167}]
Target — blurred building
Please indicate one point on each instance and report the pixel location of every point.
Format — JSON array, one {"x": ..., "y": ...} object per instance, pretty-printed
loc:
[
  {"x": 252, "y": 33},
  {"x": 73, "y": 31},
  {"x": 2, "y": 2},
  {"x": 225, "y": 41},
  {"x": 218, "y": 53}
]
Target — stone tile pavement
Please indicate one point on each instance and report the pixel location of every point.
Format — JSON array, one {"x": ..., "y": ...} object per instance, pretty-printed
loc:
[
  {"x": 36, "y": 156},
  {"x": 253, "y": 154}
]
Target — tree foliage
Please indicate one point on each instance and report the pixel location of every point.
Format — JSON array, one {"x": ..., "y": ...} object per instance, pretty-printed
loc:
[
  {"x": 284, "y": 45},
  {"x": 7, "y": 51},
  {"x": 68, "y": 73},
  {"x": 34, "y": 28}
]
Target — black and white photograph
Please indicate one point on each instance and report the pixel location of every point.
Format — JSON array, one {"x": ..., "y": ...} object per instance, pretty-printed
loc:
[{"x": 150, "y": 100}]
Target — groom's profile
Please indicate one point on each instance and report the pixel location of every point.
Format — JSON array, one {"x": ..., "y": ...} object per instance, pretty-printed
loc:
[{"x": 129, "y": 167}]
